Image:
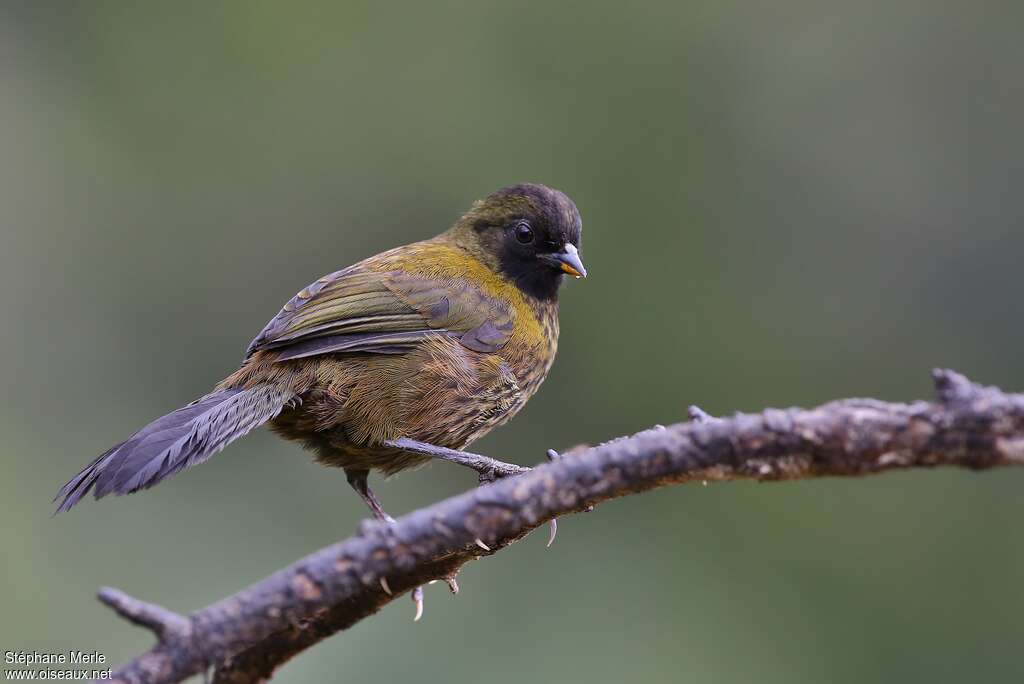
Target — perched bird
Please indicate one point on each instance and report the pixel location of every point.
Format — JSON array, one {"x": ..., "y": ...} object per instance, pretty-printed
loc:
[{"x": 383, "y": 364}]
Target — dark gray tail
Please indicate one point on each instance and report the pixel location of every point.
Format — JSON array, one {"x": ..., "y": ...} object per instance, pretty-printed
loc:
[{"x": 179, "y": 440}]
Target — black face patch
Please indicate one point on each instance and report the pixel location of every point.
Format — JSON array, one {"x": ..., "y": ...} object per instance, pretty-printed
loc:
[{"x": 552, "y": 221}]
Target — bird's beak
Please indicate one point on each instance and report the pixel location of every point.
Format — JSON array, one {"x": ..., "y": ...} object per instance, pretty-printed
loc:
[{"x": 568, "y": 260}]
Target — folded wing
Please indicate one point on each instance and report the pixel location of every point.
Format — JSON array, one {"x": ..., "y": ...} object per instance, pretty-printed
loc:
[{"x": 383, "y": 312}]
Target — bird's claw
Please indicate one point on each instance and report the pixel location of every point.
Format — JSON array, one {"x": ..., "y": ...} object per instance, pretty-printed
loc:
[
  {"x": 553, "y": 456},
  {"x": 417, "y": 593},
  {"x": 417, "y": 598}
]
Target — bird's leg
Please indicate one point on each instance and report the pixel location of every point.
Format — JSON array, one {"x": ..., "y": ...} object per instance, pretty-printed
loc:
[
  {"x": 489, "y": 469},
  {"x": 358, "y": 480}
]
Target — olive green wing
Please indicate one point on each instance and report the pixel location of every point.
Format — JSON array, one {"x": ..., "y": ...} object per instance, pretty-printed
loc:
[{"x": 383, "y": 312}]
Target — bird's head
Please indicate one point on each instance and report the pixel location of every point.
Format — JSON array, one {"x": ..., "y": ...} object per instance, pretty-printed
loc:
[{"x": 529, "y": 234}]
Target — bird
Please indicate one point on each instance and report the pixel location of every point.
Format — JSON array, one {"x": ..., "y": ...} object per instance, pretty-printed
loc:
[{"x": 408, "y": 355}]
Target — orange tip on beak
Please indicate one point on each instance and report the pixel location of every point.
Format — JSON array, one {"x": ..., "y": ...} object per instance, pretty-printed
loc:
[
  {"x": 571, "y": 271},
  {"x": 569, "y": 261}
]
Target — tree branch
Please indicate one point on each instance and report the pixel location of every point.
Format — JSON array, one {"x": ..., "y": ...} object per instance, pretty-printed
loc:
[{"x": 245, "y": 637}]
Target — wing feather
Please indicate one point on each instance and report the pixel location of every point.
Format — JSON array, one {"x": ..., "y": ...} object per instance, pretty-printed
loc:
[{"x": 383, "y": 312}]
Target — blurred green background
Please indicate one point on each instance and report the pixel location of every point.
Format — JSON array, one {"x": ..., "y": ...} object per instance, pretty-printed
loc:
[{"x": 784, "y": 203}]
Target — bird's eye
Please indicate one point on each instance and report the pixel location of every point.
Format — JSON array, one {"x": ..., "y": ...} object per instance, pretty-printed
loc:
[{"x": 524, "y": 233}]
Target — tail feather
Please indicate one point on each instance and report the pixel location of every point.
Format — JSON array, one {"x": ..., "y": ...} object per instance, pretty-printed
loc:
[{"x": 174, "y": 442}]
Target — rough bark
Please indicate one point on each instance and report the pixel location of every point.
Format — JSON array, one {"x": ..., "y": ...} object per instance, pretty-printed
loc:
[{"x": 245, "y": 637}]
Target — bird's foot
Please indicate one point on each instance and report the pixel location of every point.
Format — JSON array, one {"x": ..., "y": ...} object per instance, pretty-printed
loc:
[
  {"x": 358, "y": 480},
  {"x": 553, "y": 456},
  {"x": 489, "y": 476},
  {"x": 489, "y": 469},
  {"x": 416, "y": 595}
]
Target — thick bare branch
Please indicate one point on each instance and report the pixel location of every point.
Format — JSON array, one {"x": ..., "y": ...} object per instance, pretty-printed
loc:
[{"x": 248, "y": 635}]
